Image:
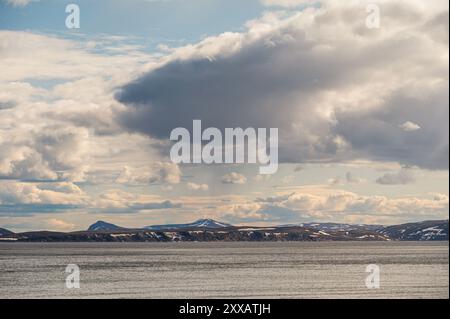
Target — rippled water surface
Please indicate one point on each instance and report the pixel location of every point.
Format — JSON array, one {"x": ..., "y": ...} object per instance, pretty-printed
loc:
[{"x": 229, "y": 270}]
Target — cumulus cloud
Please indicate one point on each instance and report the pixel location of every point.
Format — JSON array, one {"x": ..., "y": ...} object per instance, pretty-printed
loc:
[
  {"x": 30, "y": 193},
  {"x": 402, "y": 177},
  {"x": 197, "y": 187},
  {"x": 335, "y": 181},
  {"x": 19, "y": 3},
  {"x": 342, "y": 206},
  {"x": 65, "y": 130},
  {"x": 23, "y": 162},
  {"x": 349, "y": 206},
  {"x": 168, "y": 172},
  {"x": 352, "y": 179},
  {"x": 409, "y": 126},
  {"x": 122, "y": 202},
  {"x": 288, "y": 179},
  {"x": 234, "y": 178},
  {"x": 241, "y": 212},
  {"x": 59, "y": 224},
  {"x": 160, "y": 172},
  {"x": 48, "y": 153},
  {"x": 335, "y": 89},
  {"x": 262, "y": 178},
  {"x": 18, "y": 198},
  {"x": 287, "y": 3}
]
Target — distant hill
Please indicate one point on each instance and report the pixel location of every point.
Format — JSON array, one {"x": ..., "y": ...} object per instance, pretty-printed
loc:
[
  {"x": 201, "y": 223},
  {"x": 338, "y": 226},
  {"x": 104, "y": 226},
  {"x": 426, "y": 230},
  {"x": 5, "y": 232}
]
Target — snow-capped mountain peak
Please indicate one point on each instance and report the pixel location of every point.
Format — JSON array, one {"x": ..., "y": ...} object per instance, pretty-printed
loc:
[
  {"x": 4, "y": 232},
  {"x": 209, "y": 223},
  {"x": 103, "y": 226},
  {"x": 201, "y": 223}
]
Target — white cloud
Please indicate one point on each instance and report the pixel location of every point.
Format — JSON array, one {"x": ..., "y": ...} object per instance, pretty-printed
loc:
[
  {"x": 234, "y": 178},
  {"x": 67, "y": 130},
  {"x": 48, "y": 152},
  {"x": 197, "y": 187},
  {"x": 409, "y": 126},
  {"x": 327, "y": 205},
  {"x": 17, "y": 193},
  {"x": 335, "y": 181},
  {"x": 262, "y": 178},
  {"x": 160, "y": 172},
  {"x": 19, "y": 3},
  {"x": 116, "y": 201},
  {"x": 348, "y": 206},
  {"x": 58, "y": 58},
  {"x": 288, "y": 179},
  {"x": 287, "y": 3},
  {"x": 59, "y": 224},
  {"x": 241, "y": 211}
]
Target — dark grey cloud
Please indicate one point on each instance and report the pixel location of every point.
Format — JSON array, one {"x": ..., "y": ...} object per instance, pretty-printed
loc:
[
  {"x": 133, "y": 208},
  {"x": 236, "y": 91},
  {"x": 283, "y": 78},
  {"x": 152, "y": 206},
  {"x": 274, "y": 199},
  {"x": 18, "y": 209},
  {"x": 376, "y": 133},
  {"x": 402, "y": 177},
  {"x": 4, "y": 105},
  {"x": 352, "y": 179}
]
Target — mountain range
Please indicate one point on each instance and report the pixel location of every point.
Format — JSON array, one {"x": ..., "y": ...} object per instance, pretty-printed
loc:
[{"x": 211, "y": 230}]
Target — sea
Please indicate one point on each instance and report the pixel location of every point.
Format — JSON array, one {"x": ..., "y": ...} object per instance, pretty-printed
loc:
[{"x": 225, "y": 270}]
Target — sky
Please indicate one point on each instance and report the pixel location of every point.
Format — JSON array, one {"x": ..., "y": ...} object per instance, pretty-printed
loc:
[{"x": 86, "y": 114}]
